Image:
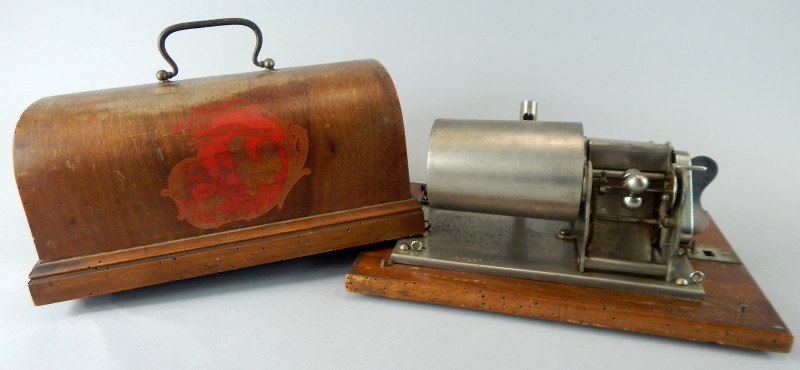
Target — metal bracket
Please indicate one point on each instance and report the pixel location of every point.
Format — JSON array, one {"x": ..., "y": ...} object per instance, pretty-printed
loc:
[
  {"x": 713, "y": 254},
  {"x": 522, "y": 248}
]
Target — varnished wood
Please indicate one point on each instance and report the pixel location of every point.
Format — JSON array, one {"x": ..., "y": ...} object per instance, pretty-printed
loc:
[
  {"x": 92, "y": 170},
  {"x": 357, "y": 217},
  {"x": 82, "y": 278},
  {"x": 734, "y": 312},
  {"x": 90, "y": 166}
]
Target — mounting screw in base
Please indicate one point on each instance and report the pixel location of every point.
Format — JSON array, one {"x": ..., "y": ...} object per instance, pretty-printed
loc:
[
  {"x": 566, "y": 234},
  {"x": 682, "y": 281},
  {"x": 695, "y": 277}
]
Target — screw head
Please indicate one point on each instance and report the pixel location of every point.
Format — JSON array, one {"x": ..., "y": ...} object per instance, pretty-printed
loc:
[
  {"x": 403, "y": 246},
  {"x": 681, "y": 281}
]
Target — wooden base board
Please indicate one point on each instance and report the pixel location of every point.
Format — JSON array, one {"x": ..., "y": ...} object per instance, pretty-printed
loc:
[
  {"x": 80, "y": 277},
  {"x": 734, "y": 312}
]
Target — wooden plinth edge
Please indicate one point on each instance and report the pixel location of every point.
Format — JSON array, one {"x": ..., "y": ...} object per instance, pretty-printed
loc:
[
  {"x": 734, "y": 312},
  {"x": 57, "y": 281}
]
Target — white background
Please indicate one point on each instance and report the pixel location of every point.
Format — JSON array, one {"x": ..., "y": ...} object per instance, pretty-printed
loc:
[{"x": 714, "y": 78}]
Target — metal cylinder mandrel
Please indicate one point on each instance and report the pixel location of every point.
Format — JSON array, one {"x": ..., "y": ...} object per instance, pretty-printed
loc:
[{"x": 517, "y": 168}]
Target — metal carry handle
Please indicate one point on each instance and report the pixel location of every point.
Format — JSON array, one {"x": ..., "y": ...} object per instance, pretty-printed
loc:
[{"x": 164, "y": 76}]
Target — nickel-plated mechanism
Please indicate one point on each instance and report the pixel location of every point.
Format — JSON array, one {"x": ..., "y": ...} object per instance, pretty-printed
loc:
[{"x": 538, "y": 200}]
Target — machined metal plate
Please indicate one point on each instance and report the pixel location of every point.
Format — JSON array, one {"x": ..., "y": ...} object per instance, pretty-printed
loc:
[
  {"x": 522, "y": 248},
  {"x": 701, "y": 252}
]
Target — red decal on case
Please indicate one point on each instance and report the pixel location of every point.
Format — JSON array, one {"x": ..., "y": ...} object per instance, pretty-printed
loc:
[{"x": 246, "y": 162}]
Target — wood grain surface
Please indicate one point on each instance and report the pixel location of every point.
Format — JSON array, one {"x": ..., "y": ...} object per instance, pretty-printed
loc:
[
  {"x": 137, "y": 267},
  {"x": 734, "y": 312},
  {"x": 92, "y": 169}
]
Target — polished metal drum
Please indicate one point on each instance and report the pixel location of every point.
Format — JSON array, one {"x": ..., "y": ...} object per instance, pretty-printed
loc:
[{"x": 516, "y": 168}]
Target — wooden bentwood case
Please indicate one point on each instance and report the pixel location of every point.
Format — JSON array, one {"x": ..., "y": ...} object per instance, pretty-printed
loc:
[{"x": 141, "y": 185}]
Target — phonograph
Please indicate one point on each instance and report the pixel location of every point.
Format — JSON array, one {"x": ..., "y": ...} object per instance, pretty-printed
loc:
[
  {"x": 142, "y": 185},
  {"x": 532, "y": 218}
]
